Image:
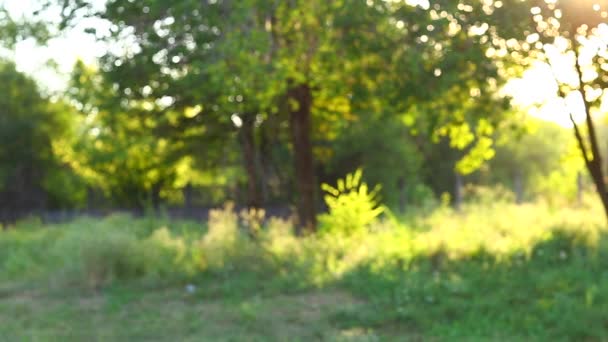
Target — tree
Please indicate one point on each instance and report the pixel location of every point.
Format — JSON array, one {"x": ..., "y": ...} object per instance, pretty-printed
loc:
[
  {"x": 32, "y": 177},
  {"x": 445, "y": 85},
  {"x": 574, "y": 33},
  {"x": 537, "y": 160},
  {"x": 385, "y": 149},
  {"x": 564, "y": 32},
  {"x": 127, "y": 147},
  {"x": 195, "y": 53},
  {"x": 308, "y": 67},
  {"x": 178, "y": 56},
  {"x": 14, "y": 30}
]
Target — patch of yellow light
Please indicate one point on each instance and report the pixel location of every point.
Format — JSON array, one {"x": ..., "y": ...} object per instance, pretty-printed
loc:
[
  {"x": 191, "y": 112},
  {"x": 184, "y": 170},
  {"x": 148, "y": 106},
  {"x": 162, "y": 144}
]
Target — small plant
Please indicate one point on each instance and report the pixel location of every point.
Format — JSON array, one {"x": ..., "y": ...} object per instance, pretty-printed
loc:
[
  {"x": 352, "y": 206},
  {"x": 168, "y": 255},
  {"x": 107, "y": 256},
  {"x": 224, "y": 243},
  {"x": 486, "y": 195},
  {"x": 95, "y": 255},
  {"x": 252, "y": 219}
]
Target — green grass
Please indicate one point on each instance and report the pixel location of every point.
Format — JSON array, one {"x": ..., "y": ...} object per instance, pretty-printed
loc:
[{"x": 494, "y": 272}]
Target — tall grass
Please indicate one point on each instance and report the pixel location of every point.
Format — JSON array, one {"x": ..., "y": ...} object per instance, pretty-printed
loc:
[
  {"x": 97, "y": 252},
  {"x": 494, "y": 270}
]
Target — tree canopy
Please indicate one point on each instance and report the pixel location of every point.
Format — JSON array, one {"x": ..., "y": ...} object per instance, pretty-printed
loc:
[{"x": 266, "y": 100}]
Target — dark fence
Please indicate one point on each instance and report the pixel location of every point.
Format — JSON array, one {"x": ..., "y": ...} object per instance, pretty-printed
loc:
[{"x": 192, "y": 213}]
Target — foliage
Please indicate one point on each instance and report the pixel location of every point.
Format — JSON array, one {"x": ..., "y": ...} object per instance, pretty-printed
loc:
[
  {"x": 224, "y": 242},
  {"x": 497, "y": 195},
  {"x": 186, "y": 78},
  {"x": 352, "y": 206},
  {"x": 14, "y": 30},
  {"x": 397, "y": 167},
  {"x": 570, "y": 35},
  {"x": 393, "y": 281},
  {"x": 544, "y": 158},
  {"x": 118, "y": 150},
  {"x": 32, "y": 175},
  {"x": 92, "y": 253},
  {"x": 103, "y": 257},
  {"x": 416, "y": 100},
  {"x": 223, "y": 93}
]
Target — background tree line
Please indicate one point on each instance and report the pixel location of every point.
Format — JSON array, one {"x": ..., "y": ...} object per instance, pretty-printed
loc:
[{"x": 260, "y": 101}]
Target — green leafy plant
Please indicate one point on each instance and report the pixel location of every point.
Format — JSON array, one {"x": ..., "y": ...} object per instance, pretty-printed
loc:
[{"x": 352, "y": 206}]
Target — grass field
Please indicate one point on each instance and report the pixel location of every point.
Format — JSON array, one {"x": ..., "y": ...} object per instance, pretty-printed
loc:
[{"x": 493, "y": 272}]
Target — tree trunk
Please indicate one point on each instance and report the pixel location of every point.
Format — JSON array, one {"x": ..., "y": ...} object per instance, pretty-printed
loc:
[
  {"x": 187, "y": 192},
  {"x": 155, "y": 196},
  {"x": 91, "y": 203},
  {"x": 300, "y": 103},
  {"x": 402, "y": 195},
  {"x": 263, "y": 166},
  {"x": 458, "y": 192},
  {"x": 593, "y": 160},
  {"x": 519, "y": 188},
  {"x": 254, "y": 198},
  {"x": 595, "y": 168},
  {"x": 591, "y": 153}
]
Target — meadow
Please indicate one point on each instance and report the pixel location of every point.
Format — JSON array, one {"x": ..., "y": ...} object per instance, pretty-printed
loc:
[
  {"x": 481, "y": 124},
  {"x": 494, "y": 271}
]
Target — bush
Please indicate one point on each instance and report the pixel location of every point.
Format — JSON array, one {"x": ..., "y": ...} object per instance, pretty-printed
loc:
[
  {"x": 96, "y": 257},
  {"x": 224, "y": 242},
  {"x": 352, "y": 207},
  {"x": 115, "y": 256},
  {"x": 480, "y": 194},
  {"x": 168, "y": 255},
  {"x": 96, "y": 254}
]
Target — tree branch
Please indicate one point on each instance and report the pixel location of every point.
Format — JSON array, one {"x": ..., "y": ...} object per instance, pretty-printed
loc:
[
  {"x": 595, "y": 150},
  {"x": 580, "y": 140}
]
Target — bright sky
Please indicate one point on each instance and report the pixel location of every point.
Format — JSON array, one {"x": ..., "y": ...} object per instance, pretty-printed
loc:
[
  {"x": 65, "y": 50},
  {"x": 536, "y": 92},
  {"x": 537, "y": 85}
]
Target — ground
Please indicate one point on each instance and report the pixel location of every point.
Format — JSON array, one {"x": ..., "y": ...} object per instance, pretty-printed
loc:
[{"x": 165, "y": 314}]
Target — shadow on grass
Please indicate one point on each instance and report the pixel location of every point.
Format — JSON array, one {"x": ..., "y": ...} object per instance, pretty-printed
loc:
[{"x": 556, "y": 291}]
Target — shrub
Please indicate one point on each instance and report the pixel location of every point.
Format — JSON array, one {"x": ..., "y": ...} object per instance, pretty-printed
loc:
[
  {"x": 168, "y": 255},
  {"x": 252, "y": 220},
  {"x": 97, "y": 257},
  {"x": 223, "y": 242},
  {"x": 352, "y": 206},
  {"x": 30, "y": 222},
  {"x": 279, "y": 243},
  {"x": 486, "y": 195},
  {"x": 24, "y": 252},
  {"x": 98, "y": 254}
]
